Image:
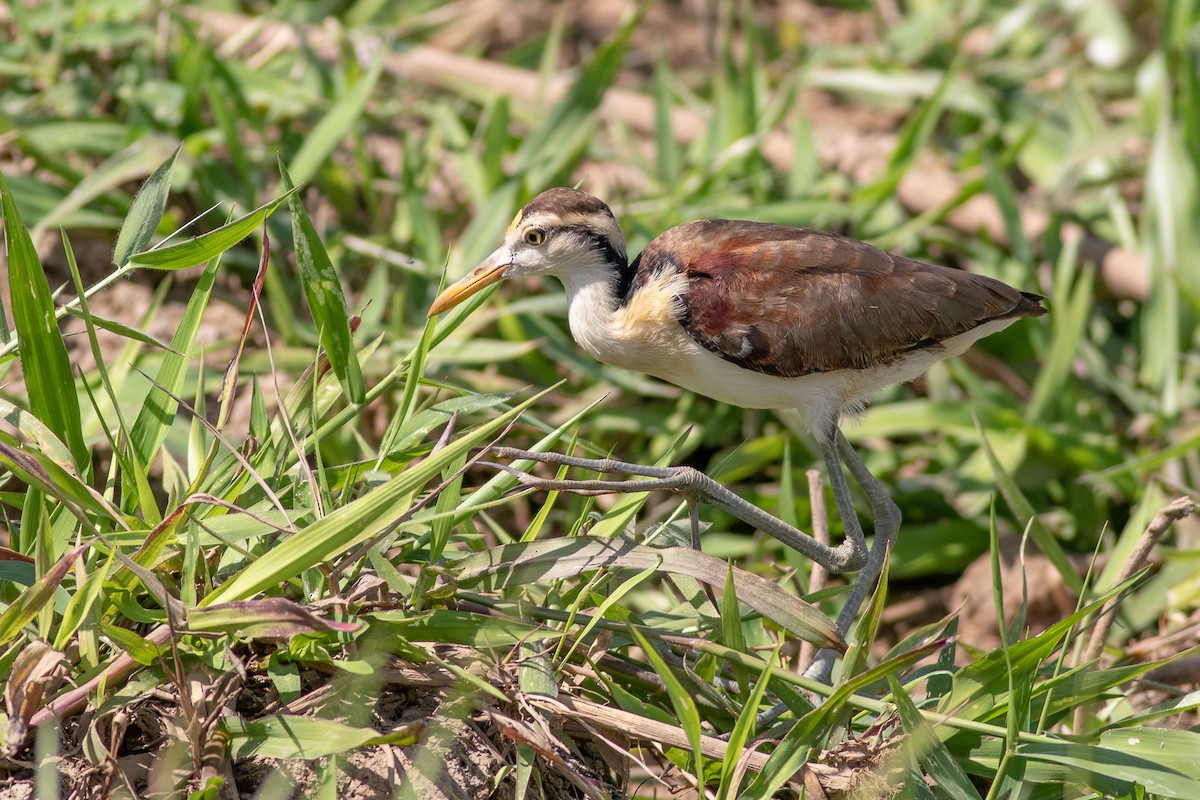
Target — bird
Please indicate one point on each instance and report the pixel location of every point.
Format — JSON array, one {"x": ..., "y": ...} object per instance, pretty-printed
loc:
[{"x": 758, "y": 315}]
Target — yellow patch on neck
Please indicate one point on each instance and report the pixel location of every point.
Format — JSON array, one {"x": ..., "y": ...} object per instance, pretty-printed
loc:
[{"x": 654, "y": 309}]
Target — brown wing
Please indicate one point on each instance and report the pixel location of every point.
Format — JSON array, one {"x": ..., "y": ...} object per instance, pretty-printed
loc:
[{"x": 789, "y": 301}]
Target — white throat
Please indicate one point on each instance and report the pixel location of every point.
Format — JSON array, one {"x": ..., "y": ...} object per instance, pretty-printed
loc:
[
  {"x": 592, "y": 306},
  {"x": 642, "y": 333}
]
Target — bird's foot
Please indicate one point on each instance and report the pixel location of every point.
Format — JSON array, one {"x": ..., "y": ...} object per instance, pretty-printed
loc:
[
  {"x": 694, "y": 485},
  {"x": 848, "y": 556}
]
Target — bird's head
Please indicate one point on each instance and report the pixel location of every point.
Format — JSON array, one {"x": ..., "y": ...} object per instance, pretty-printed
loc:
[{"x": 561, "y": 232}]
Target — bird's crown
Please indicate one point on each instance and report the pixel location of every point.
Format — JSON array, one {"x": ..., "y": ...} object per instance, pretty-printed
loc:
[{"x": 567, "y": 207}]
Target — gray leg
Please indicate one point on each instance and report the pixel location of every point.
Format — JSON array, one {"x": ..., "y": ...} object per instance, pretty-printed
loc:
[
  {"x": 841, "y": 496},
  {"x": 887, "y": 524},
  {"x": 850, "y": 555}
]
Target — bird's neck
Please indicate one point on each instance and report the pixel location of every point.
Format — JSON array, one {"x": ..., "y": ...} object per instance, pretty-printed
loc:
[{"x": 594, "y": 295}]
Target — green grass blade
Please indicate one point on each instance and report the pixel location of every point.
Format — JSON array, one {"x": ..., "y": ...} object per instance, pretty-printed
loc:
[
  {"x": 563, "y": 135},
  {"x": 48, "y": 378},
  {"x": 353, "y": 522},
  {"x": 611, "y": 598},
  {"x": 158, "y": 411},
  {"x": 743, "y": 729},
  {"x": 1000, "y": 185},
  {"x": 913, "y": 136},
  {"x": 810, "y": 729},
  {"x": 128, "y": 165},
  {"x": 1023, "y": 510},
  {"x": 31, "y": 601},
  {"x": 551, "y": 559},
  {"x": 1069, "y": 322},
  {"x": 732, "y": 635},
  {"x": 665, "y": 145},
  {"x": 209, "y": 245},
  {"x": 1142, "y": 768},
  {"x": 281, "y": 736},
  {"x": 1174, "y": 749},
  {"x": 937, "y": 760},
  {"x": 681, "y": 700},
  {"x": 81, "y": 603},
  {"x": 36, "y": 432},
  {"x": 482, "y": 631},
  {"x": 502, "y": 481},
  {"x": 323, "y": 289},
  {"x": 36, "y": 469},
  {"x": 980, "y": 686},
  {"x": 337, "y": 123},
  {"x": 412, "y": 382},
  {"x": 119, "y": 328}
]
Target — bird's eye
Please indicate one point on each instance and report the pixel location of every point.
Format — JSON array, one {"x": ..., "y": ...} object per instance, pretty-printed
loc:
[{"x": 535, "y": 236}]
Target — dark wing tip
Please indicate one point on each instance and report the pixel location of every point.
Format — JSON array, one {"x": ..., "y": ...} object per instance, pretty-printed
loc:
[{"x": 1030, "y": 305}]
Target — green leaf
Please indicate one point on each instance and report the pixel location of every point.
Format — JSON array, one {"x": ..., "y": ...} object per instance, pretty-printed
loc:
[
  {"x": 913, "y": 135},
  {"x": 31, "y": 601},
  {"x": 140, "y": 649},
  {"x": 282, "y": 736},
  {"x": 1178, "y": 750},
  {"x": 325, "y": 299},
  {"x": 743, "y": 729},
  {"x": 1138, "y": 765},
  {"x": 564, "y": 132},
  {"x": 1069, "y": 322},
  {"x": 981, "y": 688},
  {"x": 481, "y": 631},
  {"x": 21, "y": 572},
  {"x": 146, "y": 212},
  {"x": 209, "y": 245},
  {"x": 929, "y": 749},
  {"x": 1022, "y": 509},
  {"x": 666, "y": 147},
  {"x": 551, "y": 559},
  {"x": 37, "y": 469},
  {"x": 48, "y": 378},
  {"x": 416, "y": 427},
  {"x": 792, "y": 751},
  {"x": 268, "y": 618},
  {"x": 128, "y": 165},
  {"x": 81, "y": 602},
  {"x": 119, "y": 328},
  {"x": 36, "y": 432}
]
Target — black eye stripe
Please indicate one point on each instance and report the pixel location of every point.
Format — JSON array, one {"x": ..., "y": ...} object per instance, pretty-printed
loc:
[{"x": 601, "y": 242}]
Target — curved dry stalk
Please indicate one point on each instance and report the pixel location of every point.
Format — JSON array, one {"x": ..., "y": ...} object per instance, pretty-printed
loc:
[{"x": 1170, "y": 514}]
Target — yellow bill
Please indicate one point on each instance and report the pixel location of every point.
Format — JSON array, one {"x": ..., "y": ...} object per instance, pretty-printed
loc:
[{"x": 487, "y": 273}]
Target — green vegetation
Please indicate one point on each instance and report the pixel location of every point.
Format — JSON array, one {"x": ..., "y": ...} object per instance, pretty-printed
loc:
[{"x": 246, "y": 512}]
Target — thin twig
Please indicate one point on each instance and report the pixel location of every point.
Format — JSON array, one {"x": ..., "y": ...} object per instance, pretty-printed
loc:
[
  {"x": 1158, "y": 527},
  {"x": 820, "y": 531}
]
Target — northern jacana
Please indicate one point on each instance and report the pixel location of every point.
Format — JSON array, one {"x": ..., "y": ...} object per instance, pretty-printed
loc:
[{"x": 759, "y": 316}]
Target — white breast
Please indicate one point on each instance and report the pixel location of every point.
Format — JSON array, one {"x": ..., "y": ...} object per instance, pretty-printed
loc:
[{"x": 645, "y": 336}]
